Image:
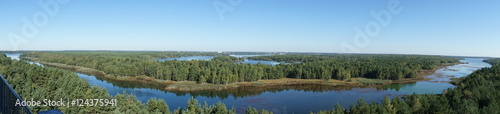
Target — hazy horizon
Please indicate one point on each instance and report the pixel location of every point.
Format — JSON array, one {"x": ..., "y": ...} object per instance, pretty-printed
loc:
[
  {"x": 242, "y": 52},
  {"x": 451, "y": 28}
]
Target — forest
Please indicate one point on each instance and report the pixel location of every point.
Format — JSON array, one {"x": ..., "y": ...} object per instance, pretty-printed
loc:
[
  {"x": 223, "y": 69},
  {"x": 477, "y": 93},
  {"x": 33, "y": 81}
]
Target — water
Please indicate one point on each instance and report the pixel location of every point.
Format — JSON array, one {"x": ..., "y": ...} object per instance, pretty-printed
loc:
[
  {"x": 15, "y": 56},
  {"x": 250, "y": 61},
  {"x": 439, "y": 80},
  {"x": 247, "y": 61},
  {"x": 296, "y": 99}
]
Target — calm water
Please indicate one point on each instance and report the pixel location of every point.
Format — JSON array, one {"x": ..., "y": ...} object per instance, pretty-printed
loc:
[
  {"x": 247, "y": 61},
  {"x": 439, "y": 80},
  {"x": 296, "y": 99},
  {"x": 15, "y": 56}
]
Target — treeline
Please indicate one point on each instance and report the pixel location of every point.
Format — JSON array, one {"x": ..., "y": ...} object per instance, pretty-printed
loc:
[
  {"x": 426, "y": 62},
  {"x": 492, "y": 61},
  {"x": 137, "y": 54},
  {"x": 220, "y": 71}
]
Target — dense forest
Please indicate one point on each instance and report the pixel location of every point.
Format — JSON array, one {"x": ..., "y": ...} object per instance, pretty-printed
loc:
[
  {"x": 477, "y": 93},
  {"x": 33, "y": 81},
  {"x": 223, "y": 70}
]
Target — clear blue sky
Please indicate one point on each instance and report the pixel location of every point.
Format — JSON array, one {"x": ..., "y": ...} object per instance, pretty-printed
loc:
[{"x": 444, "y": 27}]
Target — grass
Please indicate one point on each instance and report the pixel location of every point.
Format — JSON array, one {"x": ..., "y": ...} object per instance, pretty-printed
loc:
[
  {"x": 373, "y": 81},
  {"x": 258, "y": 83},
  {"x": 75, "y": 68}
]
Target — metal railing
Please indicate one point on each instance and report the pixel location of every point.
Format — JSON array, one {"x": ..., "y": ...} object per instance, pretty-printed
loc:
[{"x": 8, "y": 98}]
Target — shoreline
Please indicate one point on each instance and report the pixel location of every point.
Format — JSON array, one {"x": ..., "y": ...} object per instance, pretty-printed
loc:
[{"x": 186, "y": 86}]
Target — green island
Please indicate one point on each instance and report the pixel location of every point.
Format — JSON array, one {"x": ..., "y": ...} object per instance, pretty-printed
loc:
[
  {"x": 222, "y": 72},
  {"x": 476, "y": 93}
]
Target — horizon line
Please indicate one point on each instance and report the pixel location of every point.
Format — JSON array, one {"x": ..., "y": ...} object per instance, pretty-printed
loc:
[{"x": 311, "y": 52}]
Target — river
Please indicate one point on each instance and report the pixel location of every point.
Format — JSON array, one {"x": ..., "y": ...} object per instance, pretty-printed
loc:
[{"x": 294, "y": 99}]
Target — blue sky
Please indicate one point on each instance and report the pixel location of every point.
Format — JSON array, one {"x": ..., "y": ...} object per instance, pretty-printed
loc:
[{"x": 445, "y": 27}]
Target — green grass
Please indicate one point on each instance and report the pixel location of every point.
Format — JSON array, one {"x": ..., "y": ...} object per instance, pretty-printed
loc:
[
  {"x": 373, "y": 81},
  {"x": 258, "y": 83}
]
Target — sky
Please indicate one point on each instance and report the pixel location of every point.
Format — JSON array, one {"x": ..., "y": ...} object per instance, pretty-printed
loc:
[{"x": 444, "y": 27}]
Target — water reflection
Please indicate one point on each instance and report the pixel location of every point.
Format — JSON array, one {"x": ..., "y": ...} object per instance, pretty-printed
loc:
[
  {"x": 297, "y": 98},
  {"x": 246, "y": 61},
  {"x": 293, "y": 98},
  {"x": 249, "y": 61},
  {"x": 290, "y": 98},
  {"x": 16, "y": 56}
]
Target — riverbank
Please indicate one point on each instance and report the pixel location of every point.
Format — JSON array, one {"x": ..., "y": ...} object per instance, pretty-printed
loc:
[{"x": 193, "y": 86}]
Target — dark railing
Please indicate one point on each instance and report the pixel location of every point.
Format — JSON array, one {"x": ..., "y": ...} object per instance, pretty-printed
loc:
[{"x": 8, "y": 98}]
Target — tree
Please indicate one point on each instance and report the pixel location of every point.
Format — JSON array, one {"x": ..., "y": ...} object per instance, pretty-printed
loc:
[
  {"x": 157, "y": 106},
  {"x": 193, "y": 106},
  {"x": 388, "y": 106},
  {"x": 251, "y": 110}
]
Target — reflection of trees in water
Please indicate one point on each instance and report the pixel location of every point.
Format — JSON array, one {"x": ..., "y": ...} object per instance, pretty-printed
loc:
[
  {"x": 239, "y": 92},
  {"x": 245, "y": 91},
  {"x": 396, "y": 87}
]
